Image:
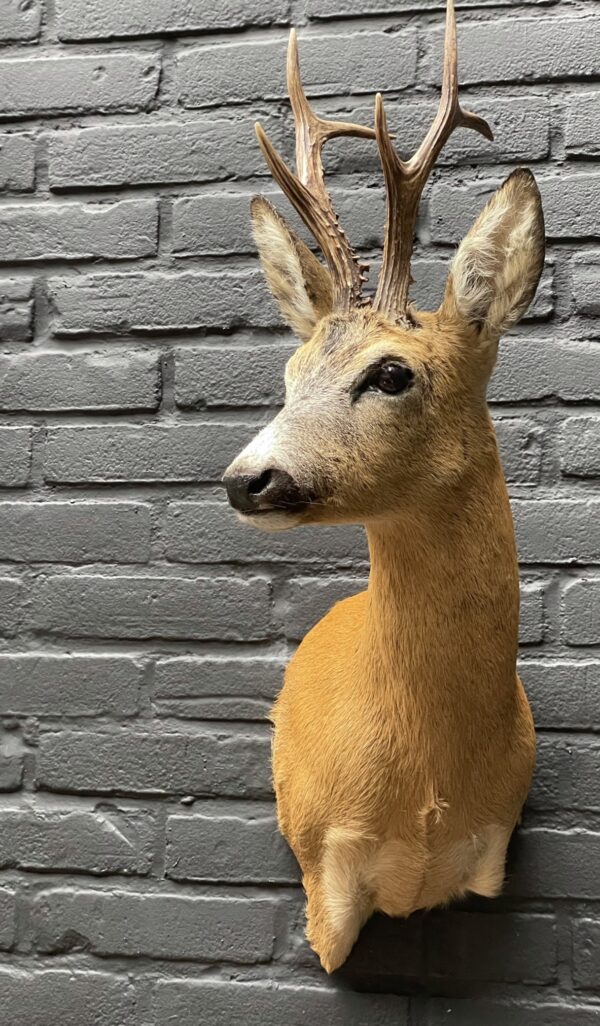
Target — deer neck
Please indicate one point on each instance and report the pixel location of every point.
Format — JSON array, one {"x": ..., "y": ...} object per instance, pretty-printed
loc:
[{"x": 443, "y": 598}]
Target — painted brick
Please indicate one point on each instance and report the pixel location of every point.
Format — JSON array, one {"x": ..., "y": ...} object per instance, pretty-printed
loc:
[
  {"x": 237, "y": 72},
  {"x": 543, "y": 368},
  {"x": 128, "y": 453},
  {"x": 555, "y": 864},
  {"x": 532, "y": 619},
  {"x": 566, "y": 775},
  {"x": 8, "y": 918},
  {"x": 309, "y": 599},
  {"x": 229, "y": 1003},
  {"x": 20, "y": 21},
  {"x": 564, "y": 693},
  {"x": 217, "y": 687},
  {"x": 78, "y": 231},
  {"x": 160, "y": 151},
  {"x": 586, "y": 937},
  {"x": 230, "y": 376},
  {"x": 11, "y": 597},
  {"x": 579, "y": 446},
  {"x": 49, "y": 382},
  {"x": 43, "y": 997},
  {"x": 557, "y": 530},
  {"x": 492, "y": 51},
  {"x": 338, "y": 8},
  {"x": 475, "y": 1012},
  {"x": 492, "y": 947},
  {"x": 106, "y": 840},
  {"x": 520, "y": 445},
  {"x": 15, "y": 456},
  {"x": 580, "y": 612},
  {"x": 16, "y": 309},
  {"x": 47, "y": 85},
  {"x": 581, "y": 129},
  {"x": 41, "y": 683},
  {"x": 231, "y": 843},
  {"x": 17, "y": 163},
  {"x": 209, "y": 532},
  {"x": 571, "y": 207},
  {"x": 74, "y": 532},
  {"x": 78, "y": 20},
  {"x": 212, "y": 761},
  {"x": 201, "y": 608},
  {"x": 586, "y": 279},
  {"x": 137, "y": 302},
  {"x": 11, "y": 772}
]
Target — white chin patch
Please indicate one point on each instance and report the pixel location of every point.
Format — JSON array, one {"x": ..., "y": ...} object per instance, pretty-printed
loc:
[{"x": 275, "y": 521}]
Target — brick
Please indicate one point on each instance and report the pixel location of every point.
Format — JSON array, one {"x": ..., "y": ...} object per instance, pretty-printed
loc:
[
  {"x": 230, "y": 376},
  {"x": 20, "y": 21},
  {"x": 17, "y": 163},
  {"x": 566, "y": 775},
  {"x": 347, "y": 8},
  {"x": 557, "y": 530},
  {"x": 237, "y": 844},
  {"x": 11, "y": 772},
  {"x": 571, "y": 207},
  {"x": 581, "y": 128},
  {"x": 520, "y": 445},
  {"x": 158, "y": 152},
  {"x": 42, "y": 684},
  {"x": 310, "y": 598},
  {"x": 77, "y": 20},
  {"x": 210, "y": 532},
  {"x": 74, "y": 532},
  {"x": 11, "y": 597},
  {"x": 8, "y": 918},
  {"x": 532, "y": 618},
  {"x": 48, "y": 85},
  {"x": 61, "y": 382},
  {"x": 586, "y": 958},
  {"x": 237, "y": 72},
  {"x": 539, "y": 369},
  {"x": 106, "y": 840},
  {"x": 555, "y": 864},
  {"x": 580, "y": 612},
  {"x": 236, "y": 929},
  {"x": 78, "y": 231},
  {"x": 201, "y": 608},
  {"x": 217, "y": 687},
  {"x": 491, "y": 51},
  {"x": 137, "y": 302},
  {"x": 16, "y": 309},
  {"x": 563, "y": 693},
  {"x": 213, "y": 761},
  {"x": 143, "y": 453},
  {"x": 518, "y": 1012},
  {"x": 586, "y": 279},
  {"x": 430, "y": 276},
  {"x": 521, "y": 127},
  {"x": 235, "y": 1003},
  {"x": 46, "y": 997},
  {"x": 503, "y": 948},
  {"x": 15, "y": 456},
  {"x": 579, "y": 446}
]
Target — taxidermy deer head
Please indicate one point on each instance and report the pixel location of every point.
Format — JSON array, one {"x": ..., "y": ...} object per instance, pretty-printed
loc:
[{"x": 403, "y": 740}]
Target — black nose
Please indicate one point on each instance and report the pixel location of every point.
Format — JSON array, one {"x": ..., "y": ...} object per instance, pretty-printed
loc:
[{"x": 271, "y": 490}]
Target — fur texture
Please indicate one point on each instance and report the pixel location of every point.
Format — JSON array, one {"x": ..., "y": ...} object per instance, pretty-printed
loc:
[{"x": 403, "y": 745}]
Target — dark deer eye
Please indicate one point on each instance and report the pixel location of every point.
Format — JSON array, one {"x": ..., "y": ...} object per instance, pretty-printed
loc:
[{"x": 391, "y": 378}]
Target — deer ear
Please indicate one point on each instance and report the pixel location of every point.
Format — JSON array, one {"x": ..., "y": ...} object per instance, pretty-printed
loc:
[
  {"x": 300, "y": 283},
  {"x": 498, "y": 265}
]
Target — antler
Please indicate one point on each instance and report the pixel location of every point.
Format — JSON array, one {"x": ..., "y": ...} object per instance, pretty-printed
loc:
[
  {"x": 306, "y": 189},
  {"x": 405, "y": 180}
]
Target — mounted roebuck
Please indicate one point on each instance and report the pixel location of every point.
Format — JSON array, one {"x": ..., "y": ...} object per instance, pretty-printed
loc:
[{"x": 404, "y": 743}]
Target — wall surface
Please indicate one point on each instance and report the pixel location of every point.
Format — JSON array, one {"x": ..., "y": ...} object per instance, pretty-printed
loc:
[{"x": 142, "y": 631}]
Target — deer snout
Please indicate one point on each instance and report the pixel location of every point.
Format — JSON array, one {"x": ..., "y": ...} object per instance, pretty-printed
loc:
[{"x": 266, "y": 492}]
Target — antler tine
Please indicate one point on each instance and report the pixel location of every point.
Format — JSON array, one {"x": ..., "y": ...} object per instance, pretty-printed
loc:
[
  {"x": 405, "y": 180},
  {"x": 306, "y": 190}
]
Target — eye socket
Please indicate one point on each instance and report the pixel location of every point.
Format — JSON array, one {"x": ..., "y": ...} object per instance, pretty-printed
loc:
[{"x": 390, "y": 377}]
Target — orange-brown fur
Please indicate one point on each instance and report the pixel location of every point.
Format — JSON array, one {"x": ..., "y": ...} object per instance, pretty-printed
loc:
[{"x": 404, "y": 744}]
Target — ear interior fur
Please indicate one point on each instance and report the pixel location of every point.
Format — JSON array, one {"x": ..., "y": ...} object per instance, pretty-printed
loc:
[
  {"x": 298, "y": 280},
  {"x": 498, "y": 265}
]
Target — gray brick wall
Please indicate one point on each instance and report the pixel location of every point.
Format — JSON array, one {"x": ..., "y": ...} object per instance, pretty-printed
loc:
[{"x": 142, "y": 632}]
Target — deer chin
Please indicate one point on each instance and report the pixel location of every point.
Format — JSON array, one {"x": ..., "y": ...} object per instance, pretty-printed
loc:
[{"x": 271, "y": 520}]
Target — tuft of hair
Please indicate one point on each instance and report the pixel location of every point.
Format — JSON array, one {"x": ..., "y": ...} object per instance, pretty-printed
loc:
[
  {"x": 498, "y": 265},
  {"x": 298, "y": 280}
]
